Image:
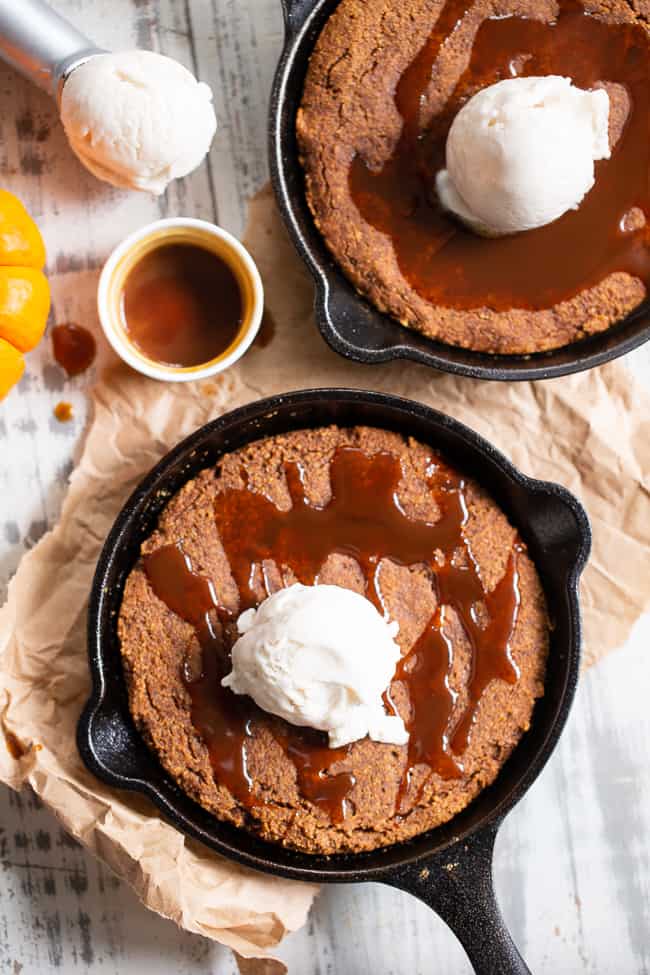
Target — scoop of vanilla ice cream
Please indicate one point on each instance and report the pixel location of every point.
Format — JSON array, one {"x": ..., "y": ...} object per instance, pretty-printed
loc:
[
  {"x": 521, "y": 152},
  {"x": 319, "y": 657},
  {"x": 137, "y": 119}
]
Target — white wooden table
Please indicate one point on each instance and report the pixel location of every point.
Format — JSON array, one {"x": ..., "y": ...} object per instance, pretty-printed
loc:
[{"x": 572, "y": 863}]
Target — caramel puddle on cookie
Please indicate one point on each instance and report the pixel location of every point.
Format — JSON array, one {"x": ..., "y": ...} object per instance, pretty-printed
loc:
[
  {"x": 451, "y": 267},
  {"x": 363, "y": 520}
]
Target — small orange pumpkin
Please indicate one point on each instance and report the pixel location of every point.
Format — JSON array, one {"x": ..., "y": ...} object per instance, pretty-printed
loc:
[
  {"x": 24, "y": 291},
  {"x": 12, "y": 366}
]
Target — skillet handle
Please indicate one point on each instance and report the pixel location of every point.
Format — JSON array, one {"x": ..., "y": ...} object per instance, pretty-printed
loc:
[
  {"x": 458, "y": 886},
  {"x": 295, "y": 14}
]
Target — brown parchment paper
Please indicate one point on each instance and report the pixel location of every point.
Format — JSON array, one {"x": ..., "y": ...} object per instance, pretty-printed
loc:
[{"x": 591, "y": 432}]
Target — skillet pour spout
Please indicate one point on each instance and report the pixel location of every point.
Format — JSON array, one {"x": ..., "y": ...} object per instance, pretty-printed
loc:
[{"x": 450, "y": 867}]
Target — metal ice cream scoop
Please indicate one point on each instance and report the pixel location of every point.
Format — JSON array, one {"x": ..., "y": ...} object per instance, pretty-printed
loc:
[
  {"x": 164, "y": 121},
  {"x": 41, "y": 44}
]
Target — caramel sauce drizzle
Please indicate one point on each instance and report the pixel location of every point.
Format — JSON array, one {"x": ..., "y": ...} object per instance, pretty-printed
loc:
[
  {"x": 225, "y": 720},
  {"x": 452, "y": 267},
  {"x": 365, "y": 520}
]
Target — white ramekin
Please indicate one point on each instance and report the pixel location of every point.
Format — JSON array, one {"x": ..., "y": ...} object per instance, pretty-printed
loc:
[{"x": 179, "y": 230}]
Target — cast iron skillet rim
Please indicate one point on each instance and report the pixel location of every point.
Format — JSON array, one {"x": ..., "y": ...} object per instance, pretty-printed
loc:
[
  {"x": 602, "y": 347},
  {"x": 341, "y": 867}
]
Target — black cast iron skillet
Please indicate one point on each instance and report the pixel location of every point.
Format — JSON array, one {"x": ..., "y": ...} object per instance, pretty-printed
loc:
[
  {"x": 349, "y": 323},
  {"x": 449, "y": 868}
]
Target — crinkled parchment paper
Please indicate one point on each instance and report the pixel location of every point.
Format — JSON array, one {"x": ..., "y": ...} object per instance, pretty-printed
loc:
[{"x": 591, "y": 432}]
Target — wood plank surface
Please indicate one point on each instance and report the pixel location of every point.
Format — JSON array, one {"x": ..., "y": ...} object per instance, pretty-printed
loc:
[{"x": 572, "y": 863}]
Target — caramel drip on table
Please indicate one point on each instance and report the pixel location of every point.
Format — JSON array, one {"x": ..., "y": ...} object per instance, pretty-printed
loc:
[
  {"x": 63, "y": 411},
  {"x": 452, "y": 267},
  {"x": 74, "y": 347},
  {"x": 363, "y": 520}
]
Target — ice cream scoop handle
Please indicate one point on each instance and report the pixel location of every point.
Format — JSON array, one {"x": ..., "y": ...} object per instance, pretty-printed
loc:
[{"x": 40, "y": 43}]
